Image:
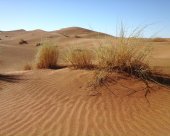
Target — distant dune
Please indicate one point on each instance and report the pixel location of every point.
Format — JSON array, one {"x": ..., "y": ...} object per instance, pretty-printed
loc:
[{"x": 14, "y": 56}]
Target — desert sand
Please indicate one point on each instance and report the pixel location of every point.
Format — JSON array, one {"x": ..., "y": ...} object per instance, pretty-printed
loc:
[{"x": 59, "y": 102}]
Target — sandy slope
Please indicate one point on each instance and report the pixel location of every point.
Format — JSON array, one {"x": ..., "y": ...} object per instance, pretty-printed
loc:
[
  {"x": 15, "y": 57},
  {"x": 56, "y": 103}
]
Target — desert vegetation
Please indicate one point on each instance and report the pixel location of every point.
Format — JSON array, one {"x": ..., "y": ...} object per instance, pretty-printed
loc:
[
  {"x": 79, "y": 58},
  {"x": 123, "y": 58},
  {"x": 47, "y": 57},
  {"x": 38, "y": 44},
  {"x": 126, "y": 55},
  {"x": 77, "y": 36},
  {"x": 28, "y": 67},
  {"x": 22, "y": 41}
]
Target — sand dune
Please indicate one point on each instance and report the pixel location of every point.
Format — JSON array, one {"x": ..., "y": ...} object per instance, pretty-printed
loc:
[
  {"x": 35, "y": 36},
  {"x": 57, "y": 103}
]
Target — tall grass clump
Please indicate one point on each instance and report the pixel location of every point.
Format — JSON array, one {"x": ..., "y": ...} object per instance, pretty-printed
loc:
[
  {"x": 28, "y": 67},
  {"x": 22, "y": 41},
  {"x": 47, "y": 57},
  {"x": 79, "y": 58},
  {"x": 124, "y": 54},
  {"x": 123, "y": 58},
  {"x": 127, "y": 54}
]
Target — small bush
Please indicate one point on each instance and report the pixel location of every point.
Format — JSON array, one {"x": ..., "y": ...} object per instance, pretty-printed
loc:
[
  {"x": 123, "y": 58},
  {"x": 123, "y": 55},
  {"x": 79, "y": 58},
  {"x": 77, "y": 36},
  {"x": 38, "y": 44},
  {"x": 23, "y": 42},
  {"x": 127, "y": 54},
  {"x": 28, "y": 67},
  {"x": 47, "y": 57}
]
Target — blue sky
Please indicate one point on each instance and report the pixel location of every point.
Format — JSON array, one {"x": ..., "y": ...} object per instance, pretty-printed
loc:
[{"x": 100, "y": 15}]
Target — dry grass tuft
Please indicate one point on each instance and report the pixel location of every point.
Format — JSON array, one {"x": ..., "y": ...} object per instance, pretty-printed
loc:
[
  {"x": 38, "y": 44},
  {"x": 79, "y": 58},
  {"x": 28, "y": 67},
  {"x": 124, "y": 55},
  {"x": 100, "y": 78},
  {"x": 123, "y": 58},
  {"x": 22, "y": 41},
  {"x": 47, "y": 57}
]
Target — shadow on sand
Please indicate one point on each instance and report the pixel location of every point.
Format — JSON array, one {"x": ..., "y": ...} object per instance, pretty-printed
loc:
[
  {"x": 9, "y": 78},
  {"x": 162, "y": 79}
]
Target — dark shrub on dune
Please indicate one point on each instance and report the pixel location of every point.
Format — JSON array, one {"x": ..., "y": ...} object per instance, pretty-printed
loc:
[{"x": 23, "y": 42}]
